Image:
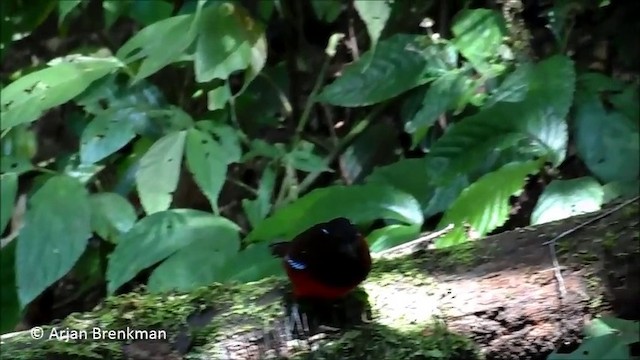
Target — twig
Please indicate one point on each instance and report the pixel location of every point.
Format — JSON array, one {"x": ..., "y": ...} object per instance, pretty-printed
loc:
[
  {"x": 552, "y": 244},
  {"x": 605, "y": 214},
  {"x": 412, "y": 243}
]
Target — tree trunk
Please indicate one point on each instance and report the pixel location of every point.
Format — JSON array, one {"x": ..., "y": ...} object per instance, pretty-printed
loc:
[{"x": 504, "y": 297}]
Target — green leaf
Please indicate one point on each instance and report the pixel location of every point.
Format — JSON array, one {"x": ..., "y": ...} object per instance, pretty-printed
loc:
[
  {"x": 8, "y": 193},
  {"x": 414, "y": 176},
  {"x": 537, "y": 125},
  {"x": 607, "y": 338},
  {"x": 159, "y": 172},
  {"x": 565, "y": 198},
  {"x": 251, "y": 264},
  {"x": 9, "y": 303},
  {"x": 111, "y": 215},
  {"x": 390, "y": 236},
  {"x": 24, "y": 100},
  {"x": 358, "y": 203},
  {"x": 398, "y": 65},
  {"x": 230, "y": 40},
  {"x": 374, "y": 14},
  {"x": 227, "y": 138},
  {"x": 107, "y": 133},
  {"x": 303, "y": 158},
  {"x": 628, "y": 103},
  {"x": 616, "y": 189},
  {"x": 478, "y": 35},
  {"x": 159, "y": 44},
  {"x": 65, "y": 7},
  {"x": 164, "y": 234},
  {"x": 257, "y": 209},
  {"x": 55, "y": 233},
  {"x": 441, "y": 96},
  {"x": 218, "y": 97},
  {"x": 608, "y": 143},
  {"x": 327, "y": 10},
  {"x": 149, "y": 12},
  {"x": 484, "y": 205},
  {"x": 514, "y": 88},
  {"x": 205, "y": 160}
]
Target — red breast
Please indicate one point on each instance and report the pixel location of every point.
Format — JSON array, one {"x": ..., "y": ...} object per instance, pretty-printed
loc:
[{"x": 305, "y": 286}]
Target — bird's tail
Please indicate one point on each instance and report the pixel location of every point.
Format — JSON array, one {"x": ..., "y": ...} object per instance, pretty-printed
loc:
[{"x": 280, "y": 249}]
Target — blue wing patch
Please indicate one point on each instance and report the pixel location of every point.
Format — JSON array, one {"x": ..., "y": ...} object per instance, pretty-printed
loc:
[{"x": 295, "y": 264}]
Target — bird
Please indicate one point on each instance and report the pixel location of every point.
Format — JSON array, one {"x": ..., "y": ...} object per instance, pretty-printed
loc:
[{"x": 326, "y": 261}]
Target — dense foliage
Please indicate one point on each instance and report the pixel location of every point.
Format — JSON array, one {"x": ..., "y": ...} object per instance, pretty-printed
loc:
[{"x": 195, "y": 134}]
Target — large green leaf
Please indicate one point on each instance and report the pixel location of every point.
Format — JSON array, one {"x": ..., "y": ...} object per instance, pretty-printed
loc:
[
  {"x": 606, "y": 338},
  {"x": 478, "y": 35},
  {"x": 374, "y": 14},
  {"x": 55, "y": 233},
  {"x": 159, "y": 44},
  {"x": 565, "y": 198},
  {"x": 441, "y": 96},
  {"x": 9, "y": 190},
  {"x": 8, "y": 292},
  {"x": 257, "y": 209},
  {"x": 251, "y": 264},
  {"x": 25, "y": 99},
  {"x": 514, "y": 88},
  {"x": 199, "y": 263},
  {"x": 484, "y": 205},
  {"x": 230, "y": 40},
  {"x": 390, "y": 236},
  {"x": 111, "y": 215},
  {"x": 358, "y": 203},
  {"x": 159, "y": 172},
  {"x": 105, "y": 134},
  {"x": 205, "y": 160},
  {"x": 164, "y": 234},
  {"x": 414, "y": 176},
  {"x": 607, "y": 142},
  {"x": 537, "y": 125},
  {"x": 397, "y": 65}
]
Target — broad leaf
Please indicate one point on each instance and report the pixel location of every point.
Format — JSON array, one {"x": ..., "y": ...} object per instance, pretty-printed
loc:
[
  {"x": 199, "y": 263},
  {"x": 537, "y": 125},
  {"x": 358, "y": 203},
  {"x": 390, "y": 236},
  {"x": 398, "y": 65},
  {"x": 441, "y": 96},
  {"x": 514, "y": 88},
  {"x": 565, "y": 198},
  {"x": 159, "y": 44},
  {"x": 205, "y": 160},
  {"x": 55, "y": 233},
  {"x": 374, "y": 14},
  {"x": 256, "y": 210},
  {"x": 24, "y": 100},
  {"x": 105, "y": 134},
  {"x": 217, "y": 98},
  {"x": 484, "y": 205},
  {"x": 159, "y": 172},
  {"x": 251, "y": 264},
  {"x": 65, "y": 7},
  {"x": 414, "y": 176},
  {"x": 608, "y": 143},
  {"x": 111, "y": 215},
  {"x": 478, "y": 35},
  {"x": 230, "y": 40},
  {"x": 164, "y": 234}
]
